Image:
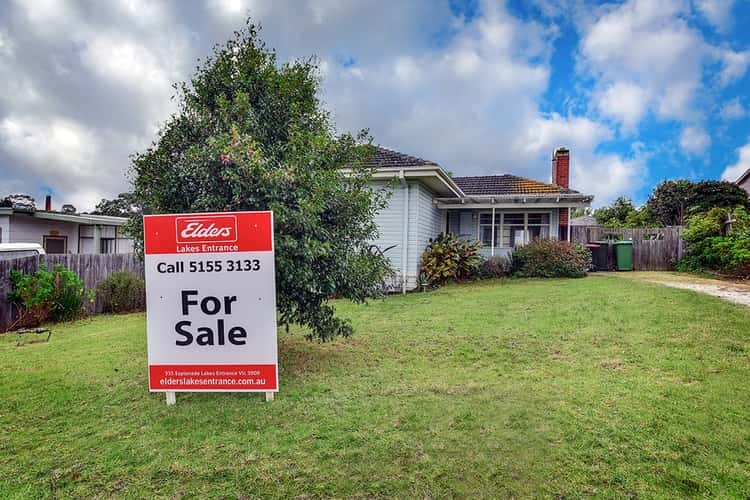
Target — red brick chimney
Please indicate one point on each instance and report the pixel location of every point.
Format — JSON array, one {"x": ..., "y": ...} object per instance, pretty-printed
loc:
[
  {"x": 561, "y": 167},
  {"x": 48, "y": 203},
  {"x": 561, "y": 177}
]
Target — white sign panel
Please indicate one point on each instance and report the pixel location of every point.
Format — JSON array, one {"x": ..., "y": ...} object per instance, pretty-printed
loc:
[{"x": 211, "y": 302}]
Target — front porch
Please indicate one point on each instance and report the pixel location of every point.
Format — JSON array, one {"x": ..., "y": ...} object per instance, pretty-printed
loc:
[{"x": 501, "y": 230}]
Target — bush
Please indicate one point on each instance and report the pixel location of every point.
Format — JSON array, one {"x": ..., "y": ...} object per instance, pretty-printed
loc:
[
  {"x": 448, "y": 258},
  {"x": 123, "y": 292},
  {"x": 712, "y": 246},
  {"x": 494, "y": 267},
  {"x": 56, "y": 295},
  {"x": 551, "y": 259}
]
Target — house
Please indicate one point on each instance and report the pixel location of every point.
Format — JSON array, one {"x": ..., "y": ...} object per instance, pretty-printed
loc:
[
  {"x": 62, "y": 231},
  {"x": 584, "y": 220},
  {"x": 744, "y": 181},
  {"x": 500, "y": 211}
]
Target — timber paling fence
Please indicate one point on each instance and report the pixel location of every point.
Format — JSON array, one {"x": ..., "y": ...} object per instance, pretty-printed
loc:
[
  {"x": 91, "y": 268},
  {"x": 654, "y": 249}
]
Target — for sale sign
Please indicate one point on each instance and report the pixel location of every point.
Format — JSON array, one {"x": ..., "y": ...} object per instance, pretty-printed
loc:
[{"x": 211, "y": 302}]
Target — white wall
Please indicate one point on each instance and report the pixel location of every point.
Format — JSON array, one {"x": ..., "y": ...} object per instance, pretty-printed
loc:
[
  {"x": 24, "y": 228},
  {"x": 27, "y": 229}
]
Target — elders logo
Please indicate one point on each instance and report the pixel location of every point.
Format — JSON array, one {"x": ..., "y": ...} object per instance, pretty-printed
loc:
[{"x": 206, "y": 229}]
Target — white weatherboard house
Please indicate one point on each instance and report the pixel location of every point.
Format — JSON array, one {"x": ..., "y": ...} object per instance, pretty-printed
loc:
[
  {"x": 63, "y": 231},
  {"x": 500, "y": 211}
]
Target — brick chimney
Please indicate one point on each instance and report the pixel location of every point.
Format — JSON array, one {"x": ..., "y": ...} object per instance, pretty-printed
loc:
[
  {"x": 48, "y": 203},
  {"x": 561, "y": 167},
  {"x": 561, "y": 177}
]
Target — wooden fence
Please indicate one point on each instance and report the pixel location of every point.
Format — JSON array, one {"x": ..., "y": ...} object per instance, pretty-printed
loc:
[
  {"x": 654, "y": 249},
  {"x": 91, "y": 268}
]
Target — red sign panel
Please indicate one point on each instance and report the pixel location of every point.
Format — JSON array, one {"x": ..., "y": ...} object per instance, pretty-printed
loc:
[{"x": 208, "y": 233}]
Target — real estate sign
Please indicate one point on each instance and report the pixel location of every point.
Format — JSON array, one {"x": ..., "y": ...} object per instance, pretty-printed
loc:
[{"x": 211, "y": 302}]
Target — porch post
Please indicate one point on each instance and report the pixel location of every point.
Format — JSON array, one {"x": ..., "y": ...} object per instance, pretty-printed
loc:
[{"x": 492, "y": 252}]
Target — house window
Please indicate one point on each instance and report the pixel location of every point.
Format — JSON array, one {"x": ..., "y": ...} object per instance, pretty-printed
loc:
[
  {"x": 107, "y": 245},
  {"x": 514, "y": 229},
  {"x": 485, "y": 229},
  {"x": 55, "y": 244}
]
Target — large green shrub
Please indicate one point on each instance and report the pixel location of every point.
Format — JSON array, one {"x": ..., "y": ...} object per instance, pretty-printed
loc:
[
  {"x": 551, "y": 259},
  {"x": 448, "y": 258},
  {"x": 122, "y": 292},
  {"x": 56, "y": 295},
  {"x": 718, "y": 241}
]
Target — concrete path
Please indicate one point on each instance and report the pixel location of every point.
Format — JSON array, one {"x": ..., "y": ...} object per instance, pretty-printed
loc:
[{"x": 739, "y": 293}]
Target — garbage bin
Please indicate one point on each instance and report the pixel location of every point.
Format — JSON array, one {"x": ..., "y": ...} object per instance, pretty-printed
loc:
[
  {"x": 623, "y": 255},
  {"x": 601, "y": 255}
]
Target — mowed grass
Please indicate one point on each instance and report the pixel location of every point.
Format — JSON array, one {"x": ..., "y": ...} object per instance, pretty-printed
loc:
[{"x": 591, "y": 387}]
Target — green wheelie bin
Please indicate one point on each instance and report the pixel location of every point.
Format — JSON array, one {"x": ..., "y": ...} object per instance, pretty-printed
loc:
[{"x": 623, "y": 255}]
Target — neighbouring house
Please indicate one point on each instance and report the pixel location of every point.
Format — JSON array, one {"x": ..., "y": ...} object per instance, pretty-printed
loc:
[
  {"x": 744, "y": 181},
  {"x": 584, "y": 220},
  {"x": 63, "y": 231},
  {"x": 500, "y": 211}
]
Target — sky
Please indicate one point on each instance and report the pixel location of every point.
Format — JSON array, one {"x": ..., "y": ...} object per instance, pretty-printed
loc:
[{"x": 640, "y": 90}]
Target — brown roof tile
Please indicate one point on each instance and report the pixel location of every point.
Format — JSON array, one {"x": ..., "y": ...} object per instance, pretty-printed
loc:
[
  {"x": 488, "y": 185},
  {"x": 387, "y": 158}
]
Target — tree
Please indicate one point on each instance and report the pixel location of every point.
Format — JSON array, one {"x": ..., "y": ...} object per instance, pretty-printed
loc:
[
  {"x": 670, "y": 201},
  {"x": 711, "y": 194},
  {"x": 124, "y": 205},
  {"x": 673, "y": 201},
  {"x": 250, "y": 134},
  {"x": 615, "y": 214}
]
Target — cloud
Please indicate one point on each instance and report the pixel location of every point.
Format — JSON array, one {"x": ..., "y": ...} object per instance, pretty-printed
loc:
[
  {"x": 645, "y": 56},
  {"x": 733, "y": 172},
  {"x": 470, "y": 92},
  {"x": 694, "y": 140},
  {"x": 624, "y": 102},
  {"x": 733, "y": 110},
  {"x": 717, "y": 12}
]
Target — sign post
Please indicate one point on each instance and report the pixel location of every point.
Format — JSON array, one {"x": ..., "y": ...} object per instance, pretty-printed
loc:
[{"x": 211, "y": 303}]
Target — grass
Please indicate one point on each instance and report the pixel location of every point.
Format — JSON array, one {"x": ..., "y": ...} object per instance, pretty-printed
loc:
[{"x": 591, "y": 387}]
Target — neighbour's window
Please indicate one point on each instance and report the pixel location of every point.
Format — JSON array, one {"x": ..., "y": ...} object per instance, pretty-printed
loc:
[
  {"x": 55, "y": 244},
  {"x": 107, "y": 245}
]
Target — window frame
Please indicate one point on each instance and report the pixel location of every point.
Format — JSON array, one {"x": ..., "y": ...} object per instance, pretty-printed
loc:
[
  {"x": 499, "y": 226},
  {"x": 55, "y": 237}
]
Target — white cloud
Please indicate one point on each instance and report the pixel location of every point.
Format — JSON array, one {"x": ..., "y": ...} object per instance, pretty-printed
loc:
[
  {"x": 625, "y": 102},
  {"x": 733, "y": 66},
  {"x": 645, "y": 56},
  {"x": 734, "y": 171},
  {"x": 694, "y": 140},
  {"x": 733, "y": 110},
  {"x": 717, "y": 12}
]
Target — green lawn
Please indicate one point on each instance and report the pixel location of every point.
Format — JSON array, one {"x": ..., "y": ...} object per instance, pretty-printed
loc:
[{"x": 599, "y": 386}]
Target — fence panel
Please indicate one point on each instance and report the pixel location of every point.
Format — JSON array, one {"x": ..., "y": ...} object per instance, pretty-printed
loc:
[
  {"x": 91, "y": 268},
  {"x": 654, "y": 249}
]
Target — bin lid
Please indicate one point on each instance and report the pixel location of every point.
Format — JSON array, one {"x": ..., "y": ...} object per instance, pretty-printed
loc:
[
  {"x": 623, "y": 242},
  {"x": 592, "y": 245}
]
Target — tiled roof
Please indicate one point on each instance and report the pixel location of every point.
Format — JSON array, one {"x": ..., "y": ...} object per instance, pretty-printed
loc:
[
  {"x": 387, "y": 158},
  {"x": 505, "y": 184}
]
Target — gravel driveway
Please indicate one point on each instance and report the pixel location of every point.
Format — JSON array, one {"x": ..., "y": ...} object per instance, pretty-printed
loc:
[{"x": 733, "y": 292}]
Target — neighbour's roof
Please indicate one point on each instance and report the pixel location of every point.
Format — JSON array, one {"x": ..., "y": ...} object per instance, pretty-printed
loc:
[
  {"x": 584, "y": 220},
  {"x": 742, "y": 177},
  {"x": 387, "y": 158},
  {"x": 488, "y": 185},
  {"x": 106, "y": 220}
]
